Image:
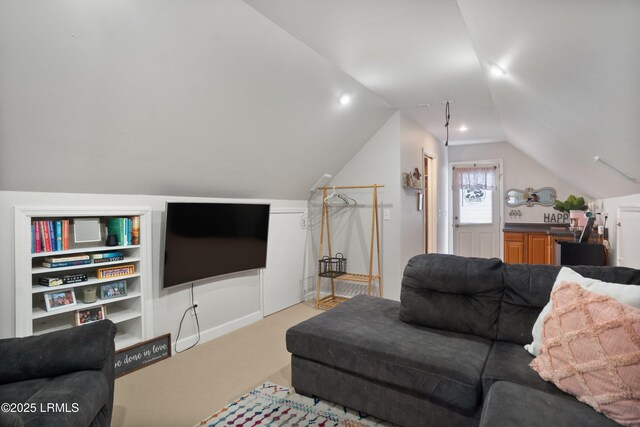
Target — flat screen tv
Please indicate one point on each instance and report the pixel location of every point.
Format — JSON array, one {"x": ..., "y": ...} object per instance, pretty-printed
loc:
[{"x": 204, "y": 240}]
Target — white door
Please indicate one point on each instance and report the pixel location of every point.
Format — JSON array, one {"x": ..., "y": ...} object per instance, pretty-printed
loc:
[
  {"x": 476, "y": 216},
  {"x": 282, "y": 279},
  {"x": 628, "y": 253}
]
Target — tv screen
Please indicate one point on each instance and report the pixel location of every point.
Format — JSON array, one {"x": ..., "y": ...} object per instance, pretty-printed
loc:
[{"x": 204, "y": 240}]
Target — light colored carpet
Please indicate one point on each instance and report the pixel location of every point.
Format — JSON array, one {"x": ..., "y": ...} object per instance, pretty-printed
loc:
[
  {"x": 188, "y": 387},
  {"x": 275, "y": 405}
]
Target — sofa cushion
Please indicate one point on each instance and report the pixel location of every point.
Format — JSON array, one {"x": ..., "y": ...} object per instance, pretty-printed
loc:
[
  {"x": 365, "y": 336},
  {"x": 57, "y": 353},
  {"x": 510, "y": 362},
  {"x": 453, "y": 293},
  {"x": 626, "y": 294},
  {"x": 514, "y": 405},
  {"x": 79, "y": 397},
  {"x": 591, "y": 349},
  {"x": 527, "y": 289}
]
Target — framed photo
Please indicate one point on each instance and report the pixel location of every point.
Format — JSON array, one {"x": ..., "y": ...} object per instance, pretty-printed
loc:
[
  {"x": 86, "y": 230},
  {"x": 113, "y": 289},
  {"x": 90, "y": 315},
  {"x": 59, "y": 299}
]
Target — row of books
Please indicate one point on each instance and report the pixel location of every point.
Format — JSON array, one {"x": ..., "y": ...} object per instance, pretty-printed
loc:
[
  {"x": 49, "y": 236},
  {"x": 53, "y": 235},
  {"x": 126, "y": 230},
  {"x": 81, "y": 259}
]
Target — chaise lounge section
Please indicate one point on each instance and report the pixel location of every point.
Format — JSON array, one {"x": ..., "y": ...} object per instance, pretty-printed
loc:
[{"x": 449, "y": 354}]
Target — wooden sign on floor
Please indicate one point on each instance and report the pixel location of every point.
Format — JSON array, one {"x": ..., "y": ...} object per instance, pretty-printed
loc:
[{"x": 142, "y": 354}]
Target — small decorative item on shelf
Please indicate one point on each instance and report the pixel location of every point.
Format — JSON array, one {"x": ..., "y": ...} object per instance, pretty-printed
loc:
[
  {"x": 50, "y": 281},
  {"x": 91, "y": 315},
  {"x": 89, "y": 294},
  {"x": 412, "y": 179},
  {"x": 122, "y": 270},
  {"x": 332, "y": 266},
  {"x": 113, "y": 289},
  {"x": 59, "y": 299},
  {"x": 112, "y": 240},
  {"x": 68, "y": 279}
]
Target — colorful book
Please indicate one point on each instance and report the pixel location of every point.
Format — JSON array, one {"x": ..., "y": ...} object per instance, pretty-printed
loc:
[
  {"x": 59, "y": 235},
  {"x": 37, "y": 236},
  {"x": 44, "y": 226},
  {"x": 79, "y": 257},
  {"x": 106, "y": 255},
  {"x": 33, "y": 239},
  {"x": 66, "y": 264},
  {"x": 135, "y": 230},
  {"x": 65, "y": 234},
  {"x": 115, "y": 258},
  {"x": 52, "y": 235}
]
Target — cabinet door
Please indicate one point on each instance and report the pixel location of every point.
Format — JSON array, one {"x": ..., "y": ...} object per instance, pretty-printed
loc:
[
  {"x": 537, "y": 249},
  {"x": 514, "y": 248}
]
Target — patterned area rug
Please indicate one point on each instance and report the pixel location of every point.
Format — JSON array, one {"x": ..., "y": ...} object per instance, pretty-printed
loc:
[{"x": 275, "y": 405}]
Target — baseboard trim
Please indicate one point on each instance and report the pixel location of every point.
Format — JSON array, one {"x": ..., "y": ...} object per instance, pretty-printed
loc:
[{"x": 220, "y": 330}]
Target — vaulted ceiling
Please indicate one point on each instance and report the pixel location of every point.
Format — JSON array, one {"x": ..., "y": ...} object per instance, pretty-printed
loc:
[
  {"x": 227, "y": 98},
  {"x": 571, "y": 91}
]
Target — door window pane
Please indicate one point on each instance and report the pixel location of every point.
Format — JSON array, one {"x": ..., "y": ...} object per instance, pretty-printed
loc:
[{"x": 476, "y": 206}]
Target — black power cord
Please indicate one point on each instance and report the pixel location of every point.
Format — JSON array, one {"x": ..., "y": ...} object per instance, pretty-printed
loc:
[{"x": 195, "y": 313}]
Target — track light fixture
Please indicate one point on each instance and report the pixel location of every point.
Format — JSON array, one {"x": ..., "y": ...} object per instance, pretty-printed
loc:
[{"x": 447, "y": 116}]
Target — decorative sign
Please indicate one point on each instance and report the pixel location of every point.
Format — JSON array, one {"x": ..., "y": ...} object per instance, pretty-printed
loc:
[
  {"x": 140, "y": 355},
  {"x": 559, "y": 218}
]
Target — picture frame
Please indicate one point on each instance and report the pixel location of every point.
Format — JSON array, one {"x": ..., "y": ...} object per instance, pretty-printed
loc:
[
  {"x": 57, "y": 300},
  {"x": 90, "y": 315},
  {"x": 113, "y": 289},
  {"x": 86, "y": 230}
]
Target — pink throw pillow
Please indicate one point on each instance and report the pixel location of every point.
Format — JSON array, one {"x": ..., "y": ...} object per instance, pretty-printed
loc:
[{"x": 591, "y": 349}]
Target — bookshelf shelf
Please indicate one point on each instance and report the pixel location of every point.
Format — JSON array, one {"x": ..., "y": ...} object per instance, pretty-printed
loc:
[
  {"x": 56, "y": 270},
  {"x": 132, "y": 312}
]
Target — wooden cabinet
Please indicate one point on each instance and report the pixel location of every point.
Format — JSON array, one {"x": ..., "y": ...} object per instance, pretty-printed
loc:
[
  {"x": 530, "y": 248},
  {"x": 538, "y": 248},
  {"x": 514, "y": 248}
]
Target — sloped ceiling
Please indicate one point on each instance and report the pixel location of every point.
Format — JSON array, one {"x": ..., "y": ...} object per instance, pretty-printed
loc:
[
  {"x": 413, "y": 53},
  {"x": 571, "y": 92},
  {"x": 170, "y": 97},
  {"x": 238, "y": 99},
  {"x": 573, "y": 86}
]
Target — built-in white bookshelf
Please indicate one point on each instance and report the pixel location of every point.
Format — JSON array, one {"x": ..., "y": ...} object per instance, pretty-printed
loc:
[{"x": 132, "y": 313}]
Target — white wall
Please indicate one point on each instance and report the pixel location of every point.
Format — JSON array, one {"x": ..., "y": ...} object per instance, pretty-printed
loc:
[
  {"x": 520, "y": 171},
  {"x": 414, "y": 140},
  {"x": 610, "y": 208},
  {"x": 395, "y": 148},
  {"x": 377, "y": 162},
  {"x": 225, "y": 303},
  {"x": 211, "y": 93}
]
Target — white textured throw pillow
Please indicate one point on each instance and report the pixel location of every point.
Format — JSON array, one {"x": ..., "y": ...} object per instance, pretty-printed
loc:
[{"x": 626, "y": 294}]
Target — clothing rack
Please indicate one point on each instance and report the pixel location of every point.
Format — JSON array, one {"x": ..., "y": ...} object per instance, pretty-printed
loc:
[{"x": 332, "y": 299}]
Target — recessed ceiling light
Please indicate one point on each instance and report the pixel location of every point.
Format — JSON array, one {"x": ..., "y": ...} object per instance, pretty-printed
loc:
[
  {"x": 463, "y": 128},
  {"x": 345, "y": 99},
  {"x": 497, "y": 70},
  {"x": 424, "y": 105}
]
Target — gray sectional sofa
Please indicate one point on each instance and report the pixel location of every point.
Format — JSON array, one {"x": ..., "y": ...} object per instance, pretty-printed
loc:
[
  {"x": 449, "y": 354},
  {"x": 63, "y": 378}
]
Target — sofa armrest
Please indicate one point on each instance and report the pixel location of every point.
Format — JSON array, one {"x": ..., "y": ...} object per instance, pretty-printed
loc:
[{"x": 56, "y": 353}]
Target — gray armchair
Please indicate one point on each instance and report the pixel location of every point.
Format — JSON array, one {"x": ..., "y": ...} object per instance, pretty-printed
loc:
[{"x": 62, "y": 378}]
